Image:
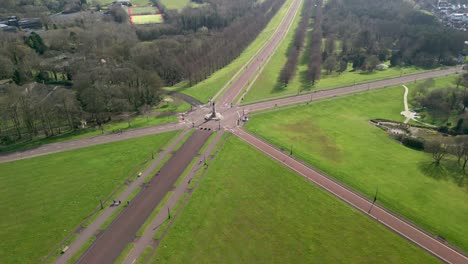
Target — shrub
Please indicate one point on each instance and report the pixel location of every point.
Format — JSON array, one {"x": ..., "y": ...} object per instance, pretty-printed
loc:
[{"x": 411, "y": 142}]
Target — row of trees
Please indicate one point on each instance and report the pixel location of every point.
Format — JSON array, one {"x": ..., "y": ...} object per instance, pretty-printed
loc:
[
  {"x": 440, "y": 148},
  {"x": 27, "y": 111},
  {"x": 315, "y": 60},
  {"x": 289, "y": 69}
]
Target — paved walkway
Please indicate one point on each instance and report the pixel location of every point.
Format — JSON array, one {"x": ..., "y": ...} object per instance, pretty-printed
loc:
[
  {"x": 349, "y": 89},
  {"x": 110, "y": 244},
  {"x": 86, "y": 233},
  {"x": 380, "y": 214},
  {"x": 147, "y": 238},
  {"x": 86, "y": 142}
]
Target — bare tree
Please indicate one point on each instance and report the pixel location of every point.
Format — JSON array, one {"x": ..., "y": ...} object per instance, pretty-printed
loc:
[{"x": 437, "y": 148}]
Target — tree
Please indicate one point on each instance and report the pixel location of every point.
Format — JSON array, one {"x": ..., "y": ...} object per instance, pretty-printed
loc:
[
  {"x": 343, "y": 66},
  {"x": 119, "y": 15},
  {"x": 437, "y": 148},
  {"x": 35, "y": 42},
  {"x": 330, "y": 64},
  {"x": 371, "y": 63}
]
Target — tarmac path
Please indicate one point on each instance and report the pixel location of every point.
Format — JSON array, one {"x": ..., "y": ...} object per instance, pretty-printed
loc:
[
  {"x": 400, "y": 226},
  {"x": 91, "y": 230},
  {"x": 349, "y": 89},
  {"x": 86, "y": 142},
  {"x": 250, "y": 70},
  {"x": 108, "y": 246}
]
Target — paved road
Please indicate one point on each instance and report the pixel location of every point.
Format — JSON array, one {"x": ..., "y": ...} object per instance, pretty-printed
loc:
[
  {"x": 147, "y": 238},
  {"x": 86, "y": 233},
  {"x": 86, "y": 142},
  {"x": 233, "y": 91},
  {"x": 350, "y": 89},
  {"x": 380, "y": 214},
  {"x": 108, "y": 247}
]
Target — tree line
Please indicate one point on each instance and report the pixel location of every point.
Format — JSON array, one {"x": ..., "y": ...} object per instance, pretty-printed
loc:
[
  {"x": 374, "y": 31},
  {"x": 105, "y": 68},
  {"x": 315, "y": 46},
  {"x": 289, "y": 68}
]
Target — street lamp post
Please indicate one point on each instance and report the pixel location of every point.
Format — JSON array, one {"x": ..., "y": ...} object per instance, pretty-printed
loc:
[
  {"x": 291, "y": 151},
  {"x": 375, "y": 199}
]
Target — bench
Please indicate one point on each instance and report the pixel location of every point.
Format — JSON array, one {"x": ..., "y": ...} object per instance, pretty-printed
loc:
[{"x": 65, "y": 249}]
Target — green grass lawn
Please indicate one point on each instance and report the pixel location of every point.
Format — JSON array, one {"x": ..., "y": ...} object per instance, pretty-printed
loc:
[
  {"x": 266, "y": 83},
  {"x": 136, "y": 122},
  {"x": 335, "y": 137},
  {"x": 147, "y": 10},
  {"x": 267, "y": 86},
  {"x": 45, "y": 198},
  {"x": 177, "y": 4},
  {"x": 147, "y": 19},
  {"x": 205, "y": 90},
  {"x": 250, "y": 209}
]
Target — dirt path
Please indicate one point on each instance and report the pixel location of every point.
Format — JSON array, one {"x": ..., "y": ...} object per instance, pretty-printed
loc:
[
  {"x": 85, "y": 234},
  {"x": 380, "y": 214},
  {"x": 86, "y": 142},
  {"x": 108, "y": 246}
]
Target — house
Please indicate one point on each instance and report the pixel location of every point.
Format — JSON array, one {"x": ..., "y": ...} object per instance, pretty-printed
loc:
[
  {"x": 30, "y": 23},
  {"x": 7, "y": 28}
]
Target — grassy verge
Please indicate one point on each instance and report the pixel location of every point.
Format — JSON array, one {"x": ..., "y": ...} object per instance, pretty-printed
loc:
[
  {"x": 249, "y": 208},
  {"x": 45, "y": 198},
  {"x": 141, "y": 259},
  {"x": 137, "y": 122},
  {"x": 267, "y": 81},
  {"x": 121, "y": 207},
  {"x": 124, "y": 254},
  {"x": 206, "y": 89},
  {"x": 345, "y": 146},
  {"x": 82, "y": 249},
  {"x": 164, "y": 225},
  {"x": 153, "y": 214}
]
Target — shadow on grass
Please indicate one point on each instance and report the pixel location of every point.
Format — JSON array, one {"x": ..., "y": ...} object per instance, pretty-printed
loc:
[{"x": 447, "y": 170}]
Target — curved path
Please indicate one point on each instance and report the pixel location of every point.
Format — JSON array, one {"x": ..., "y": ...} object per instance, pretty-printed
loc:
[{"x": 380, "y": 214}]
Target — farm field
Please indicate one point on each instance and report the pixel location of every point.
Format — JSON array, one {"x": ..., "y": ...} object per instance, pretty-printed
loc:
[
  {"x": 136, "y": 122},
  {"x": 147, "y": 19},
  {"x": 335, "y": 137},
  {"x": 45, "y": 198},
  {"x": 205, "y": 90},
  {"x": 249, "y": 208}
]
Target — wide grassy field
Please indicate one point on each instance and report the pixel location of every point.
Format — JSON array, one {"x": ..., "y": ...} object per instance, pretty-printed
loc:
[
  {"x": 136, "y": 122},
  {"x": 45, "y": 198},
  {"x": 335, "y": 137},
  {"x": 143, "y": 10},
  {"x": 250, "y": 209},
  {"x": 205, "y": 90},
  {"x": 147, "y": 19},
  {"x": 177, "y": 4}
]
